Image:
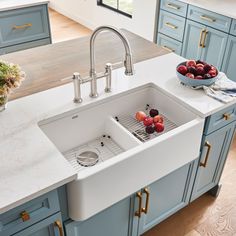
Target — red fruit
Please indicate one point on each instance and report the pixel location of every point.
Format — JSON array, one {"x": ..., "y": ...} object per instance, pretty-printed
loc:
[
  {"x": 153, "y": 112},
  {"x": 213, "y": 73},
  {"x": 158, "y": 119},
  {"x": 207, "y": 67},
  {"x": 149, "y": 129},
  {"x": 200, "y": 71},
  {"x": 206, "y": 76},
  {"x": 198, "y": 77},
  {"x": 191, "y": 63},
  {"x": 159, "y": 127},
  {"x": 213, "y": 68},
  {"x": 190, "y": 75},
  {"x": 182, "y": 69},
  {"x": 148, "y": 121},
  {"x": 192, "y": 70},
  {"x": 199, "y": 65},
  {"x": 140, "y": 116}
]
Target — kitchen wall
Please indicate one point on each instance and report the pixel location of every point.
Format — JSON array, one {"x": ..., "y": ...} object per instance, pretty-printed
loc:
[{"x": 89, "y": 14}]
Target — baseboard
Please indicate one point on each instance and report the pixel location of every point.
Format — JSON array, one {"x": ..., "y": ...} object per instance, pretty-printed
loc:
[{"x": 72, "y": 16}]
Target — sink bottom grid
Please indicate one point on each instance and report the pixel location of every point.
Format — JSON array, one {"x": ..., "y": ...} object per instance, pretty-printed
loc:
[
  {"x": 138, "y": 129},
  {"x": 105, "y": 147}
]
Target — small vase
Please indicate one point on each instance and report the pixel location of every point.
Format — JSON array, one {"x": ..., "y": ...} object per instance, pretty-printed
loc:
[{"x": 3, "y": 102}]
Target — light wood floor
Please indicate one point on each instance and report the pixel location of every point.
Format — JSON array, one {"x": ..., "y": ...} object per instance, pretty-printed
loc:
[
  {"x": 63, "y": 28},
  {"x": 206, "y": 216}
]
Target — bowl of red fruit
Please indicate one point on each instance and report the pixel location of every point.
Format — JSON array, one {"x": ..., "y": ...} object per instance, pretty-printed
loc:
[{"x": 196, "y": 73}]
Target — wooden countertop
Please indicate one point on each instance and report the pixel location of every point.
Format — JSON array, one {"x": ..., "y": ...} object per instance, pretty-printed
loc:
[{"x": 46, "y": 66}]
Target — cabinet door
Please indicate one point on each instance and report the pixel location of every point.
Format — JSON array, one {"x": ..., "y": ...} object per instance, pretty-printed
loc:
[
  {"x": 214, "y": 151},
  {"x": 113, "y": 221},
  {"x": 51, "y": 226},
  {"x": 191, "y": 45},
  {"x": 166, "y": 196},
  {"x": 230, "y": 58},
  {"x": 214, "y": 47}
]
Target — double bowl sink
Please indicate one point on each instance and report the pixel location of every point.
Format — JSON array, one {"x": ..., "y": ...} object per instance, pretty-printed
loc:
[{"x": 123, "y": 158}]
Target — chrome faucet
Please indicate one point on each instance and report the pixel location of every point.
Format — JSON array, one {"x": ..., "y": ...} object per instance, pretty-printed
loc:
[{"x": 93, "y": 76}]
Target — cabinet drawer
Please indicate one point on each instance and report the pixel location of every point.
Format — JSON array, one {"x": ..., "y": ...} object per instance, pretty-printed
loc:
[
  {"x": 24, "y": 46},
  {"x": 23, "y": 25},
  {"x": 171, "y": 25},
  {"x": 169, "y": 44},
  {"x": 233, "y": 28},
  {"x": 174, "y": 6},
  {"x": 209, "y": 18},
  {"x": 29, "y": 213},
  {"x": 220, "y": 119}
]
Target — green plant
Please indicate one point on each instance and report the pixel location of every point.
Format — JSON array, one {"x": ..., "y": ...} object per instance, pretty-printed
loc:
[{"x": 10, "y": 78}]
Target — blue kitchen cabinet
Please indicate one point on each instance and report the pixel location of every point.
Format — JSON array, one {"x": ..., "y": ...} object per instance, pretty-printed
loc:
[
  {"x": 114, "y": 221},
  {"x": 164, "y": 197},
  {"x": 230, "y": 59},
  {"x": 191, "y": 48},
  {"x": 51, "y": 226},
  {"x": 214, "y": 151},
  {"x": 205, "y": 43},
  {"x": 24, "y": 28}
]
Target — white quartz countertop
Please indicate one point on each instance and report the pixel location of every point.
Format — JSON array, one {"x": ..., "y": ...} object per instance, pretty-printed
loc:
[
  {"x": 223, "y": 7},
  {"x": 30, "y": 164},
  {"x": 15, "y": 4}
]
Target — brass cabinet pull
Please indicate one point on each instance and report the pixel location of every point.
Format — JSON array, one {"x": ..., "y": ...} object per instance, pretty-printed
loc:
[
  {"x": 207, "y": 18},
  {"x": 204, "y": 39},
  {"x": 168, "y": 24},
  {"x": 15, "y": 27},
  {"x": 173, "y": 6},
  {"x": 168, "y": 49},
  {"x": 58, "y": 224},
  {"x": 145, "y": 209},
  {"x": 208, "y": 145},
  {"x": 139, "y": 211},
  {"x": 226, "y": 116},
  {"x": 25, "y": 216},
  {"x": 200, "y": 39}
]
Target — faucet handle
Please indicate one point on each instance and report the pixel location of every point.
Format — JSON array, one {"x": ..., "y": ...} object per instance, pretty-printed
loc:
[{"x": 77, "y": 80}]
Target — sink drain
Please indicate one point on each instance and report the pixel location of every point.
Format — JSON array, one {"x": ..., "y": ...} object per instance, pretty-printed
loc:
[{"x": 87, "y": 158}]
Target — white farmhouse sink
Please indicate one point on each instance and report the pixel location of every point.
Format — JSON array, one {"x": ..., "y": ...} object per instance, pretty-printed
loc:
[{"x": 126, "y": 163}]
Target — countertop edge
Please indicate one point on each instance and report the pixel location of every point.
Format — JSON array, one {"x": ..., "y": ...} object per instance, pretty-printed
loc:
[{"x": 13, "y": 5}]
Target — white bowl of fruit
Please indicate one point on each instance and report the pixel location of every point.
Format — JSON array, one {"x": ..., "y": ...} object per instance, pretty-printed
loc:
[{"x": 196, "y": 73}]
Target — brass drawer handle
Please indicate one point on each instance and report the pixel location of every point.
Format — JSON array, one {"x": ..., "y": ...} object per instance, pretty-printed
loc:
[
  {"x": 204, "y": 39},
  {"x": 208, "y": 145},
  {"x": 145, "y": 209},
  {"x": 226, "y": 116},
  {"x": 168, "y": 24},
  {"x": 175, "y": 7},
  {"x": 207, "y": 18},
  {"x": 28, "y": 25},
  {"x": 58, "y": 224},
  {"x": 24, "y": 216},
  {"x": 139, "y": 211},
  {"x": 168, "y": 49},
  {"x": 201, "y": 39}
]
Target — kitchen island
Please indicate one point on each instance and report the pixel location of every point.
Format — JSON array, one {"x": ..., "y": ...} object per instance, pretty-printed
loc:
[{"x": 31, "y": 165}]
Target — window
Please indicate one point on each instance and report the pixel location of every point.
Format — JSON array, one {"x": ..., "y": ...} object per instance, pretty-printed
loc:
[{"x": 124, "y": 7}]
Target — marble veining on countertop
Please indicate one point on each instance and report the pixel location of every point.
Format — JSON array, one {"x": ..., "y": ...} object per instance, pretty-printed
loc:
[
  {"x": 15, "y": 4},
  {"x": 31, "y": 165},
  {"x": 223, "y": 7}
]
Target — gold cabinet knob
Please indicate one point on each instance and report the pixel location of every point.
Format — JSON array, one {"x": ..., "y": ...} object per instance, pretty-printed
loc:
[
  {"x": 226, "y": 116},
  {"x": 24, "y": 216}
]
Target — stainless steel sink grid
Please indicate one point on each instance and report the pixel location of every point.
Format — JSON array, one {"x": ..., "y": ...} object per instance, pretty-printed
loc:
[
  {"x": 138, "y": 129},
  {"x": 104, "y": 146}
]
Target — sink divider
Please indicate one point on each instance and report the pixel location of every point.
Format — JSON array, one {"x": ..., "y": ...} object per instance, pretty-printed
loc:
[{"x": 121, "y": 135}]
